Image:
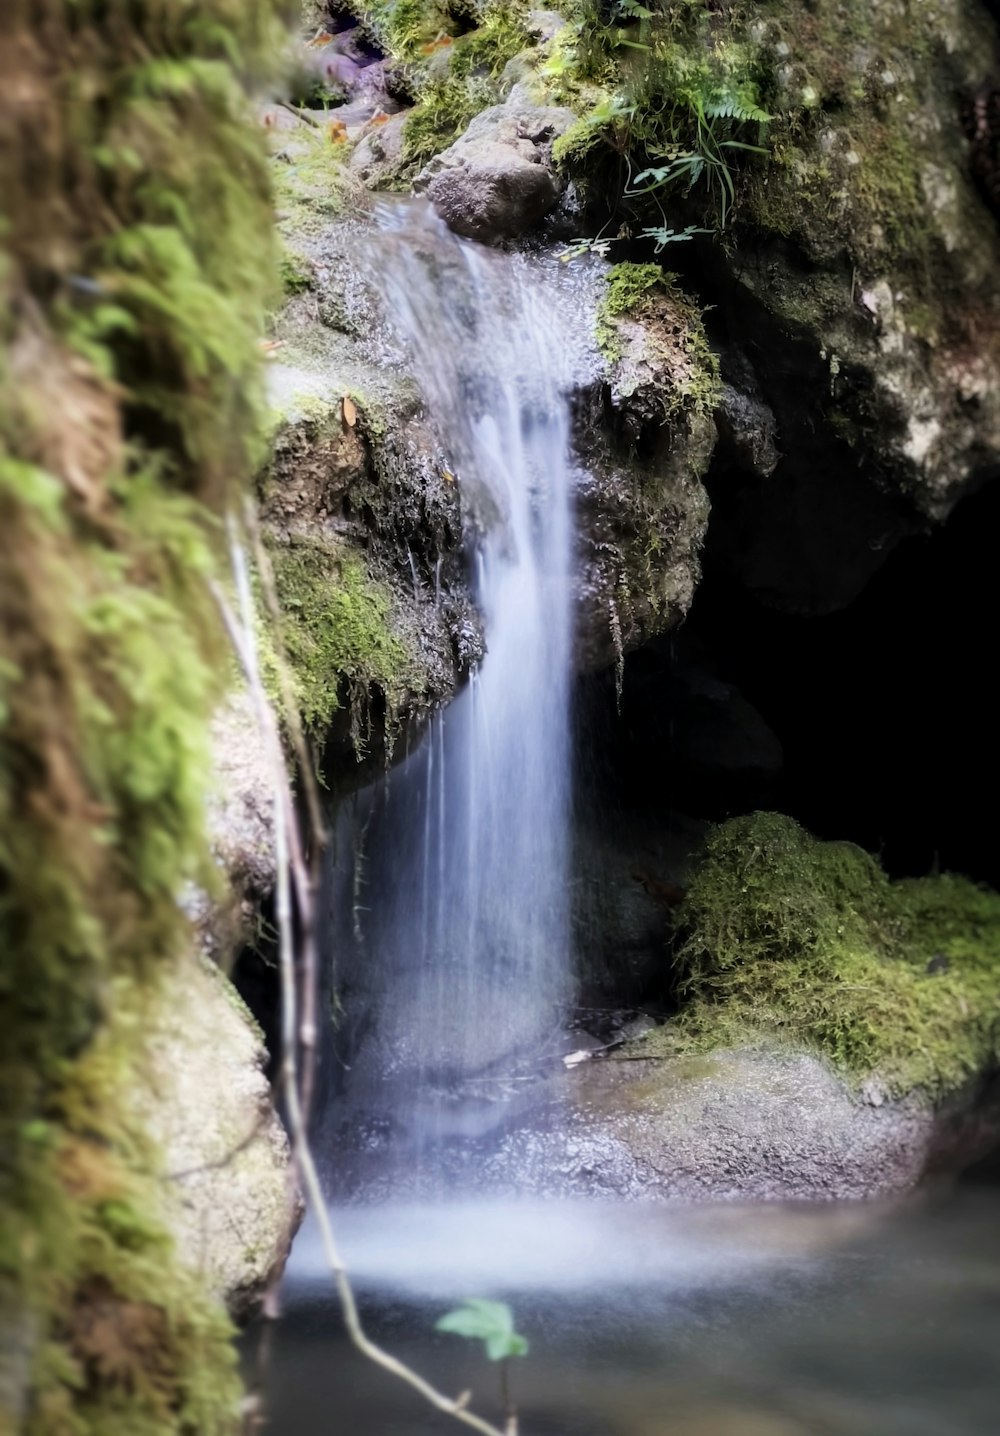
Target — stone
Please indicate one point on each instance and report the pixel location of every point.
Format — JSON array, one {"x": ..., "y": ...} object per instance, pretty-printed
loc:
[
  {"x": 240, "y": 808},
  {"x": 378, "y": 155},
  {"x": 497, "y": 181},
  {"x": 197, "y": 1089},
  {"x": 746, "y": 1124}
]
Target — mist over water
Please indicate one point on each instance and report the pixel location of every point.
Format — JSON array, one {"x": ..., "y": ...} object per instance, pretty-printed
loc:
[{"x": 466, "y": 843}]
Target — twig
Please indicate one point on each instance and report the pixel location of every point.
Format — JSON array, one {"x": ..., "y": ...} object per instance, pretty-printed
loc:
[
  {"x": 308, "y": 1026},
  {"x": 300, "y": 114},
  {"x": 288, "y": 850}
]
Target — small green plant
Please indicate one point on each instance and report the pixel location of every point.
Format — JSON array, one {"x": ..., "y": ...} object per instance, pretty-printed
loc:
[
  {"x": 492, "y": 1323},
  {"x": 712, "y": 110}
]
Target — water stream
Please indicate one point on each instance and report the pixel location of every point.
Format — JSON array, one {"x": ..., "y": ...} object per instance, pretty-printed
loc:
[
  {"x": 454, "y": 868},
  {"x": 448, "y": 896}
]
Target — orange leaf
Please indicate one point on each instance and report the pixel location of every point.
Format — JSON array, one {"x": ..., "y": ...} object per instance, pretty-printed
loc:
[
  {"x": 349, "y": 410},
  {"x": 323, "y": 37},
  {"x": 441, "y": 43},
  {"x": 338, "y": 132}
]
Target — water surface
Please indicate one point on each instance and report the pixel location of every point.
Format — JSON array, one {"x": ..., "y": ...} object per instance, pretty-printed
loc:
[{"x": 806, "y": 1321}]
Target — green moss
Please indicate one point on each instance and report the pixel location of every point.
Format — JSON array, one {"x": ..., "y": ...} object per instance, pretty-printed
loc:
[
  {"x": 501, "y": 35},
  {"x": 296, "y": 277},
  {"x": 454, "y": 70},
  {"x": 674, "y": 332},
  {"x": 136, "y": 267},
  {"x": 312, "y": 187},
  {"x": 677, "y": 113},
  {"x": 338, "y": 635},
  {"x": 629, "y": 288},
  {"x": 445, "y": 109},
  {"x": 791, "y": 938}
]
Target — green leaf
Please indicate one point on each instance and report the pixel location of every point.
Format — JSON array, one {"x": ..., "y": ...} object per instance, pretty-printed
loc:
[
  {"x": 490, "y": 1322},
  {"x": 500, "y": 1348}
]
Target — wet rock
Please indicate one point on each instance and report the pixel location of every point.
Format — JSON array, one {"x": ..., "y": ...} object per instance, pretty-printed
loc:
[
  {"x": 358, "y": 488},
  {"x": 197, "y": 1088},
  {"x": 747, "y": 430},
  {"x": 739, "y": 1125},
  {"x": 496, "y": 181},
  {"x": 628, "y": 871},
  {"x": 378, "y": 156},
  {"x": 641, "y": 503}
]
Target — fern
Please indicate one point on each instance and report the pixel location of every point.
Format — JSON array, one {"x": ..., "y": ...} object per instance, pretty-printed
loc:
[{"x": 739, "y": 103}]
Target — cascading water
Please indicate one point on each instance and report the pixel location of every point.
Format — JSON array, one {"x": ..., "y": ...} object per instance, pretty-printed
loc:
[{"x": 459, "y": 888}]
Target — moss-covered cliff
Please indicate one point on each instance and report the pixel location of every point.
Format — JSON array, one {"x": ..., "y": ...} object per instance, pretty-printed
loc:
[{"x": 135, "y": 265}]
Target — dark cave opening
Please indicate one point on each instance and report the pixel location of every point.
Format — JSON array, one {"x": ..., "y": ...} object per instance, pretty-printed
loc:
[{"x": 875, "y": 723}]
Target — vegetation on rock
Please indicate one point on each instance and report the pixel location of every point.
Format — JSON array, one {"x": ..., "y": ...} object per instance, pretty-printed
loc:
[
  {"x": 783, "y": 936},
  {"x": 673, "y": 337},
  {"x": 136, "y": 264},
  {"x": 338, "y": 635}
]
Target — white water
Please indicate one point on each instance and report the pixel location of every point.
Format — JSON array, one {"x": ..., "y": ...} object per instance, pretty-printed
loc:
[{"x": 463, "y": 908}]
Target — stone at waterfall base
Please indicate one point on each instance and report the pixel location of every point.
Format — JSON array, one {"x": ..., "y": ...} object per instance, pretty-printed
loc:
[{"x": 749, "y": 1124}]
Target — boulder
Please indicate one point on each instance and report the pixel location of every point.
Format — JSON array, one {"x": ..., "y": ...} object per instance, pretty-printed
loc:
[
  {"x": 746, "y": 1124},
  {"x": 196, "y": 1088},
  {"x": 645, "y": 444},
  {"x": 497, "y": 181}
]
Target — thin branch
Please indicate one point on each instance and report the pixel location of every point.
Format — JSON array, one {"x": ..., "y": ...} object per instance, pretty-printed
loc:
[
  {"x": 288, "y": 850},
  {"x": 300, "y": 114},
  {"x": 308, "y": 1025}
]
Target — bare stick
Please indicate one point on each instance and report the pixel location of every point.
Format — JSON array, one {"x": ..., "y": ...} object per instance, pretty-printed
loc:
[
  {"x": 288, "y": 851},
  {"x": 308, "y": 1025}
]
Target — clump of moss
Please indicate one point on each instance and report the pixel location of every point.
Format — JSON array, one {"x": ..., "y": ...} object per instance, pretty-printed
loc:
[
  {"x": 445, "y": 109},
  {"x": 136, "y": 267},
  {"x": 453, "y": 58},
  {"x": 787, "y": 937},
  {"x": 629, "y": 287},
  {"x": 312, "y": 186},
  {"x": 338, "y": 635},
  {"x": 673, "y": 333}
]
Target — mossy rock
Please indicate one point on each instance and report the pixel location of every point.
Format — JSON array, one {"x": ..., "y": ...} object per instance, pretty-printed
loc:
[
  {"x": 785, "y": 937},
  {"x": 825, "y": 146}
]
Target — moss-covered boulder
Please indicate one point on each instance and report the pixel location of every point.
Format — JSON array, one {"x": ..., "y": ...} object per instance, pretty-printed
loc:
[
  {"x": 896, "y": 983},
  {"x": 830, "y": 159},
  {"x": 136, "y": 265},
  {"x": 836, "y": 1035},
  {"x": 361, "y": 515}
]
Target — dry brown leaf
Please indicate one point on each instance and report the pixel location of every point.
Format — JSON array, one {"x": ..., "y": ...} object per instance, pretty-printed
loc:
[{"x": 349, "y": 410}]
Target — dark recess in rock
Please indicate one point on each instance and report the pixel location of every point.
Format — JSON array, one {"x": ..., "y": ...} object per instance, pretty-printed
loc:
[{"x": 882, "y": 710}]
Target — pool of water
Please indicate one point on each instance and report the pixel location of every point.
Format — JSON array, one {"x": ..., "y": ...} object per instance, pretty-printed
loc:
[{"x": 653, "y": 1321}]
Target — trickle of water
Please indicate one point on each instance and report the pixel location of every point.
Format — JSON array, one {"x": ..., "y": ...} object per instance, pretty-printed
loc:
[{"x": 468, "y": 854}]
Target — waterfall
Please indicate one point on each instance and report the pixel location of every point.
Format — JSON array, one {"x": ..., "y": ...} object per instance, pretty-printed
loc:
[{"x": 462, "y": 910}]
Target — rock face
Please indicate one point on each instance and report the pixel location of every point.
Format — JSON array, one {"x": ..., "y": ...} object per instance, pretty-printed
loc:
[
  {"x": 363, "y": 518},
  {"x": 645, "y": 445},
  {"x": 740, "y": 1125},
  {"x": 198, "y": 1089},
  {"x": 497, "y": 180}
]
